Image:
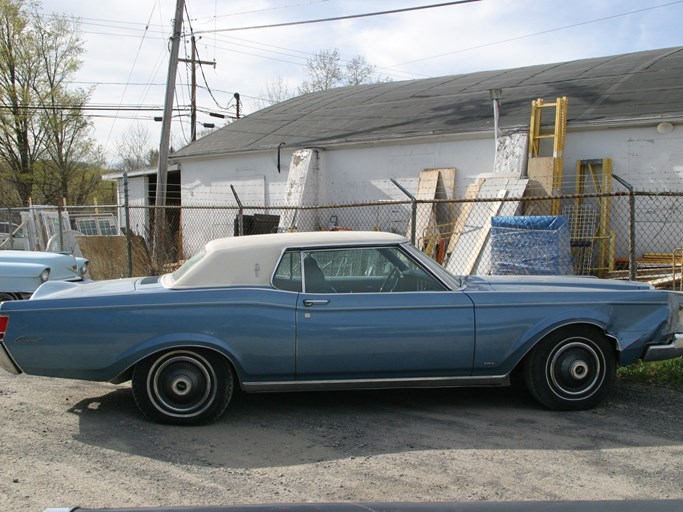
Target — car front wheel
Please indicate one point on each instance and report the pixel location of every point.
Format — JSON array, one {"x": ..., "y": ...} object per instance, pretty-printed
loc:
[
  {"x": 183, "y": 387},
  {"x": 571, "y": 370}
]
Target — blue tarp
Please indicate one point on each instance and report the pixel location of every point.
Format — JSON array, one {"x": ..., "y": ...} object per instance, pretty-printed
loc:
[{"x": 534, "y": 245}]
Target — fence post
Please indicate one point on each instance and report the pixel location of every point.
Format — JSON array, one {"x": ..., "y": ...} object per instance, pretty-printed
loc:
[
  {"x": 126, "y": 209},
  {"x": 10, "y": 231},
  {"x": 632, "y": 265},
  {"x": 61, "y": 227},
  {"x": 413, "y": 212},
  {"x": 240, "y": 213}
]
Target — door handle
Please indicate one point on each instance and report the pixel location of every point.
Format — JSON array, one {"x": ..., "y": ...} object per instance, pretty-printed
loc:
[{"x": 309, "y": 302}]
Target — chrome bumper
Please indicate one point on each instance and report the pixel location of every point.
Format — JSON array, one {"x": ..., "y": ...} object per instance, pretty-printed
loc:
[
  {"x": 661, "y": 352},
  {"x": 6, "y": 362}
]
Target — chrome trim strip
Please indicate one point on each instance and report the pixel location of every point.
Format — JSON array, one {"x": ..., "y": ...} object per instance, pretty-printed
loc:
[
  {"x": 412, "y": 382},
  {"x": 668, "y": 351},
  {"x": 6, "y": 361}
]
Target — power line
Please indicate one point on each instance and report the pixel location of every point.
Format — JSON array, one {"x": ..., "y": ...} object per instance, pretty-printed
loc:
[
  {"x": 130, "y": 74},
  {"x": 253, "y": 11},
  {"x": 548, "y": 31},
  {"x": 339, "y": 18},
  {"x": 128, "y": 84},
  {"x": 95, "y": 108}
]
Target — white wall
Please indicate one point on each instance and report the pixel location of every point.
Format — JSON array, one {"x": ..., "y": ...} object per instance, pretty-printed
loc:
[
  {"x": 137, "y": 197},
  {"x": 647, "y": 159},
  {"x": 206, "y": 183},
  {"x": 650, "y": 162},
  {"x": 362, "y": 174},
  {"x": 254, "y": 176}
]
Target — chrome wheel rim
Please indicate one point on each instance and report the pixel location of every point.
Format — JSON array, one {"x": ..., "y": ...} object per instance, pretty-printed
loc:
[
  {"x": 575, "y": 369},
  {"x": 181, "y": 384}
]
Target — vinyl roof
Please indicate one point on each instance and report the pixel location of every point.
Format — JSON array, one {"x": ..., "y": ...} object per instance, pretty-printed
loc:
[
  {"x": 620, "y": 88},
  {"x": 250, "y": 260}
]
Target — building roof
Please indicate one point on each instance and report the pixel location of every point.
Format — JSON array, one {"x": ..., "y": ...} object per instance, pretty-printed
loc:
[{"x": 606, "y": 90}]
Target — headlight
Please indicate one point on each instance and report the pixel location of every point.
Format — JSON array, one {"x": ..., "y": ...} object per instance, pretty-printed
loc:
[{"x": 44, "y": 275}]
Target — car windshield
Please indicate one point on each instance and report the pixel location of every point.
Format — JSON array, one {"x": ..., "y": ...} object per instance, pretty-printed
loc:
[{"x": 452, "y": 281}]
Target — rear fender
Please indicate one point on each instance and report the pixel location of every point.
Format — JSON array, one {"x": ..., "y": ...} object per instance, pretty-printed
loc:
[{"x": 127, "y": 360}]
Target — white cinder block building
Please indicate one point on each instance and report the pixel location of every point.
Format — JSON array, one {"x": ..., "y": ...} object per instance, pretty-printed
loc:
[{"x": 626, "y": 107}]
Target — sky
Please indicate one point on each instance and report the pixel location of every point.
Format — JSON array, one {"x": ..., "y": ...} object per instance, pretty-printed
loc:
[{"x": 126, "y": 45}]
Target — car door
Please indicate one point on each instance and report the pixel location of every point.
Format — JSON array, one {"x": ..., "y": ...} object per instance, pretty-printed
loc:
[{"x": 374, "y": 313}]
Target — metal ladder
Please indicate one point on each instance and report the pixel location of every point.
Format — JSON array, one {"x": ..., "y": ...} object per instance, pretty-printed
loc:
[{"x": 558, "y": 135}]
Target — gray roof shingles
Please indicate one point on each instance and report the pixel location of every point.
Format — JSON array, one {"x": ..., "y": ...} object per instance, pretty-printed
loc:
[{"x": 629, "y": 86}]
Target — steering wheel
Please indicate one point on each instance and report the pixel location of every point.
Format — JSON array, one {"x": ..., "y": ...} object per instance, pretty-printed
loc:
[{"x": 391, "y": 281}]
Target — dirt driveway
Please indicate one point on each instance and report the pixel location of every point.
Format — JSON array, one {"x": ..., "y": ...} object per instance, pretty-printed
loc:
[{"x": 74, "y": 443}]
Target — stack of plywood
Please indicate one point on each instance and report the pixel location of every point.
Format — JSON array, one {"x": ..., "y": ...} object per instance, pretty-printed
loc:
[
  {"x": 541, "y": 181},
  {"x": 469, "y": 247},
  {"x": 433, "y": 219}
]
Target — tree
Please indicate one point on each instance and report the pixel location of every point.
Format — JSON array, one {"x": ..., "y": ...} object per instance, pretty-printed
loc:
[
  {"x": 135, "y": 151},
  {"x": 46, "y": 148},
  {"x": 71, "y": 156},
  {"x": 21, "y": 142},
  {"x": 274, "y": 92},
  {"x": 358, "y": 71},
  {"x": 325, "y": 70}
]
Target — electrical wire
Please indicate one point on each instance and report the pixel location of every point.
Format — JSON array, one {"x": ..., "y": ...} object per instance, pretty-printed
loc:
[
  {"x": 130, "y": 74},
  {"x": 548, "y": 31},
  {"x": 340, "y": 18},
  {"x": 253, "y": 11}
]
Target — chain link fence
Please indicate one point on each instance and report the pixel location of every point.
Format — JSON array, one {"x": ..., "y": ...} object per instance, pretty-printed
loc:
[{"x": 623, "y": 235}]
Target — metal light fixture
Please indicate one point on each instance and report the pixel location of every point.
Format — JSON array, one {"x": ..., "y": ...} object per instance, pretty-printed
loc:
[{"x": 665, "y": 127}]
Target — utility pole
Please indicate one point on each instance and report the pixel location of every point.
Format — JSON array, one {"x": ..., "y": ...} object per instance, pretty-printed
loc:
[
  {"x": 238, "y": 104},
  {"x": 160, "y": 217},
  {"x": 193, "y": 67}
]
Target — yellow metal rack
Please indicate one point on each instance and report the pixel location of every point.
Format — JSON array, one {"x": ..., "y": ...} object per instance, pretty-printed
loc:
[{"x": 536, "y": 135}]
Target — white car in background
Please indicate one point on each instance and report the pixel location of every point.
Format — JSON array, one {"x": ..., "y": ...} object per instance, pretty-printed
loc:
[{"x": 22, "y": 272}]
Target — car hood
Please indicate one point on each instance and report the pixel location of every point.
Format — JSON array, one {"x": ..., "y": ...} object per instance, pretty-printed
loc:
[
  {"x": 551, "y": 283},
  {"x": 63, "y": 289}
]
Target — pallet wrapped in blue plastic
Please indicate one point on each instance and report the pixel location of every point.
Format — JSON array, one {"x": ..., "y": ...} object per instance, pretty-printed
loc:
[{"x": 535, "y": 245}]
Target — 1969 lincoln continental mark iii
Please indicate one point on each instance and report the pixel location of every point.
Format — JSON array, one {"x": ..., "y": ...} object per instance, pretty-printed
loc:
[{"x": 335, "y": 310}]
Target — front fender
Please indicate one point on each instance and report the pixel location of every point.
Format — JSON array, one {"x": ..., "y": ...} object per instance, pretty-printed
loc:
[
  {"x": 21, "y": 277},
  {"x": 506, "y": 343}
]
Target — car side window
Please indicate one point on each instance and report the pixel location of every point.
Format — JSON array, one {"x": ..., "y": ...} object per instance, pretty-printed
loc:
[
  {"x": 288, "y": 273},
  {"x": 365, "y": 270}
]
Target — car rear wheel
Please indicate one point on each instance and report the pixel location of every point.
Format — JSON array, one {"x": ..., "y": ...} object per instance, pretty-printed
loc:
[
  {"x": 183, "y": 387},
  {"x": 571, "y": 370}
]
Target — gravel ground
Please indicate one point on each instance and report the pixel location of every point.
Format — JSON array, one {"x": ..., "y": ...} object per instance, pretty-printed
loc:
[{"x": 76, "y": 443}]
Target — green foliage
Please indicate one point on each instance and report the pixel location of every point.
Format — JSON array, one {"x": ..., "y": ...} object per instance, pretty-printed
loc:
[
  {"x": 47, "y": 152},
  {"x": 662, "y": 373}
]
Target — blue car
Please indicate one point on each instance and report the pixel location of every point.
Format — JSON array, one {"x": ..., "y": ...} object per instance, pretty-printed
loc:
[
  {"x": 22, "y": 272},
  {"x": 335, "y": 310}
]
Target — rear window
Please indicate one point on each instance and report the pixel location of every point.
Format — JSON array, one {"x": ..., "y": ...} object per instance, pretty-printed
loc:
[
  {"x": 189, "y": 264},
  {"x": 288, "y": 273}
]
